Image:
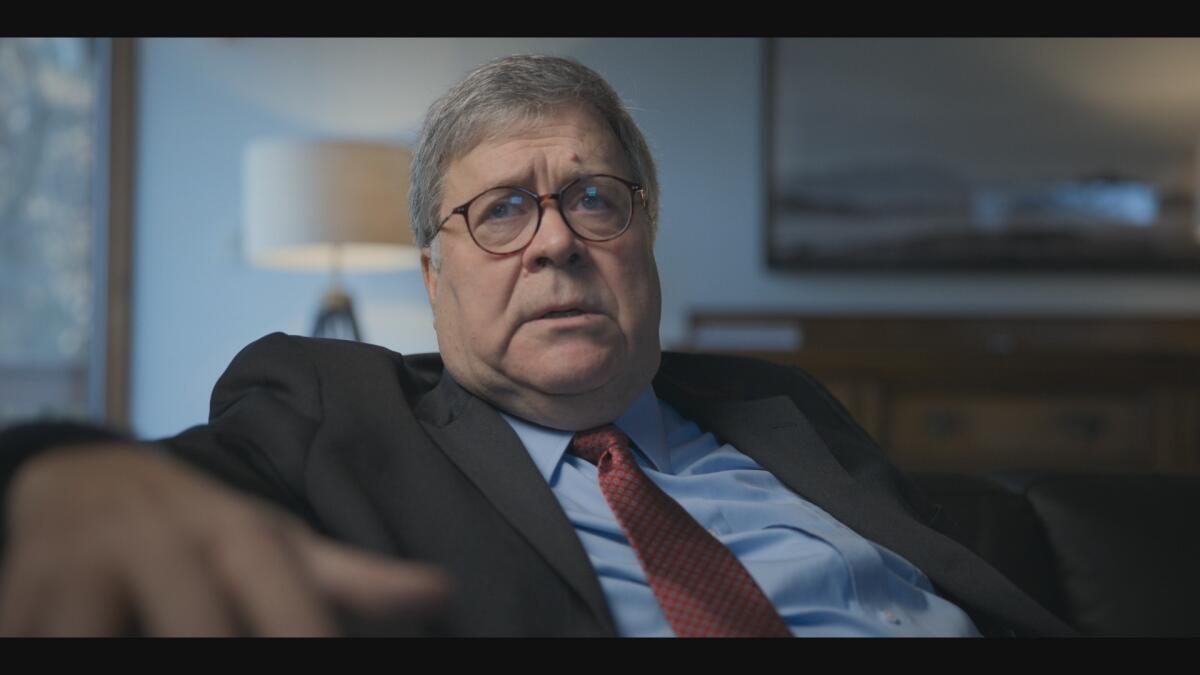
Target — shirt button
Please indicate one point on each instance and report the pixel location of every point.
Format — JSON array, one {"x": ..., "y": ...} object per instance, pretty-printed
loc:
[{"x": 889, "y": 616}]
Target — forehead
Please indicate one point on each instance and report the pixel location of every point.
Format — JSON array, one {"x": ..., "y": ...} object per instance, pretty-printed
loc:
[{"x": 564, "y": 140}]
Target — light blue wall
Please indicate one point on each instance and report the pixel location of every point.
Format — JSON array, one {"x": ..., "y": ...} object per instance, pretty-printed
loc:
[{"x": 699, "y": 101}]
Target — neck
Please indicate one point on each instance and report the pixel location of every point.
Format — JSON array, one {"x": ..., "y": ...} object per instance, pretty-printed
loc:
[{"x": 568, "y": 412}]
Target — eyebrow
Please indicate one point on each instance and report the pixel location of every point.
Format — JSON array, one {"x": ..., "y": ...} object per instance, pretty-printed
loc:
[{"x": 523, "y": 180}]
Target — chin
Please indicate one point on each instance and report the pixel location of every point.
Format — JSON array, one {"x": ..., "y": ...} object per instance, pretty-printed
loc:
[{"x": 571, "y": 370}]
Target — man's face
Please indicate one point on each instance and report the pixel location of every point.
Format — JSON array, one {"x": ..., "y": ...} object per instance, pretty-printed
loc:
[{"x": 490, "y": 310}]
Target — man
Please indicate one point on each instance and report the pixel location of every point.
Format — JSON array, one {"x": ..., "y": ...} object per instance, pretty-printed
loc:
[{"x": 552, "y": 473}]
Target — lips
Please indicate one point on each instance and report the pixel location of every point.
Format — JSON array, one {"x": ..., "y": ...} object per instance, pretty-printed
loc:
[{"x": 563, "y": 310}]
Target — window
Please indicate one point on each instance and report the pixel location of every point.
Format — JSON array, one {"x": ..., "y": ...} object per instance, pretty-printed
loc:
[{"x": 65, "y": 170}]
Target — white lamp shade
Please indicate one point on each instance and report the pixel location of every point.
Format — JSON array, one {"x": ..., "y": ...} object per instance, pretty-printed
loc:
[{"x": 302, "y": 200}]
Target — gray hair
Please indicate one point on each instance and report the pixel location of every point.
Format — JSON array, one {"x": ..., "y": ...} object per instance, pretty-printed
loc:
[{"x": 495, "y": 97}]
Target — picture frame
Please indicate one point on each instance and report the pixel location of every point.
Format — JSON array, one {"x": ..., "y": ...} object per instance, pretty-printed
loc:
[{"x": 976, "y": 154}]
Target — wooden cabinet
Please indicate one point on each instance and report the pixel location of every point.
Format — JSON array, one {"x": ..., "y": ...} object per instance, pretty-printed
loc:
[{"x": 997, "y": 393}]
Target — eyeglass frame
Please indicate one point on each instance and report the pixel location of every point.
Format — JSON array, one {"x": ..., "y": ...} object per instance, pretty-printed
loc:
[{"x": 541, "y": 200}]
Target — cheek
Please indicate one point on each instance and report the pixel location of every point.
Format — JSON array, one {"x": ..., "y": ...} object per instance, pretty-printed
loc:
[
  {"x": 477, "y": 309},
  {"x": 650, "y": 305},
  {"x": 638, "y": 294}
]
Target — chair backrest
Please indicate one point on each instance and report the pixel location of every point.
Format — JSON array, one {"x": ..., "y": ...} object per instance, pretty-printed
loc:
[{"x": 1109, "y": 554}]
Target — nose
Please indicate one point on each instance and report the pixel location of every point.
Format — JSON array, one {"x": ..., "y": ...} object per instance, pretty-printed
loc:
[{"x": 555, "y": 243}]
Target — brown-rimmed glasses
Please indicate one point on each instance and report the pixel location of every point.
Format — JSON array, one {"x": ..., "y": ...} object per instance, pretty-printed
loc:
[{"x": 505, "y": 219}]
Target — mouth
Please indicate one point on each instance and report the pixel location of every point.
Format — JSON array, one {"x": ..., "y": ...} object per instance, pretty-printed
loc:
[
  {"x": 562, "y": 314},
  {"x": 567, "y": 314}
]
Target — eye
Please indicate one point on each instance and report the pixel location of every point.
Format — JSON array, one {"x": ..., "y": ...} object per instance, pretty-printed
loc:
[
  {"x": 503, "y": 206},
  {"x": 592, "y": 198},
  {"x": 501, "y": 209}
]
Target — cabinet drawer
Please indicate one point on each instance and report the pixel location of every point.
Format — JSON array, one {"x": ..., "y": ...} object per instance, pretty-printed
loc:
[{"x": 985, "y": 431}]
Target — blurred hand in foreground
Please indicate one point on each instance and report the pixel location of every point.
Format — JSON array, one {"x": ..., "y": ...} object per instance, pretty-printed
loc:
[{"x": 106, "y": 538}]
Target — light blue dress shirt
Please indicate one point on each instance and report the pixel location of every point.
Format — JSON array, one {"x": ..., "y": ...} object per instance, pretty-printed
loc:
[{"x": 824, "y": 579}]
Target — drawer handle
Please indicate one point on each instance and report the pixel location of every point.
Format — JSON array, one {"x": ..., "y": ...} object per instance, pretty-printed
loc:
[
  {"x": 1085, "y": 427},
  {"x": 944, "y": 424}
]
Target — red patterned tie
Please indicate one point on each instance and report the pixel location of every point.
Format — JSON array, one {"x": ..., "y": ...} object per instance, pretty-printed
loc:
[{"x": 700, "y": 585}]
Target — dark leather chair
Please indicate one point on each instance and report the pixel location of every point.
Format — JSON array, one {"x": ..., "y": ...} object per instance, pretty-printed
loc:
[{"x": 1112, "y": 555}]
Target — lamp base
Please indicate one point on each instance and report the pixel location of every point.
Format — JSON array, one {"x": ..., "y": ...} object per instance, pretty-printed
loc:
[{"x": 335, "y": 318}]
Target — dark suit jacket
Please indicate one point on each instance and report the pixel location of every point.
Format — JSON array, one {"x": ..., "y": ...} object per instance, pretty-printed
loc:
[{"x": 389, "y": 453}]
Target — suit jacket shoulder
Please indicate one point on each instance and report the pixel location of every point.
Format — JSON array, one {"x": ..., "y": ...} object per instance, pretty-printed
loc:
[{"x": 380, "y": 451}]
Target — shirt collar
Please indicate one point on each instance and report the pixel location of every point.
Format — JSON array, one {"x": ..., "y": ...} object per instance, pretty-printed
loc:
[{"x": 642, "y": 422}]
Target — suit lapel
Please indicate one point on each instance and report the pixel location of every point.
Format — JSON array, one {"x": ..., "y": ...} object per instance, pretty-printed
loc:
[
  {"x": 776, "y": 435},
  {"x": 489, "y": 452},
  {"x": 773, "y": 432}
]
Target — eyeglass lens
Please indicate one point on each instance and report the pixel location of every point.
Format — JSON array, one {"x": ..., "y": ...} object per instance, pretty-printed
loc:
[{"x": 504, "y": 219}]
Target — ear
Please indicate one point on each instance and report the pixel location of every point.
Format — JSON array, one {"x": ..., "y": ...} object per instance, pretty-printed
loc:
[{"x": 430, "y": 276}]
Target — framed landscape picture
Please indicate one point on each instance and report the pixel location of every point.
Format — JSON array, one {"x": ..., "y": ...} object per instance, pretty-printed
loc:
[{"x": 977, "y": 154}]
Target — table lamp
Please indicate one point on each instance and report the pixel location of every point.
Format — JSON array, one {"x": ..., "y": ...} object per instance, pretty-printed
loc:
[{"x": 328, "y": 205}]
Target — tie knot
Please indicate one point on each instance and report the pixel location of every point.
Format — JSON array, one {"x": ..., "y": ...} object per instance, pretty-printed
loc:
[{"x": 591, "y": 443}]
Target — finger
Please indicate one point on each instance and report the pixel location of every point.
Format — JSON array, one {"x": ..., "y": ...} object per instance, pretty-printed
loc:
[
  {"x": 83, "y": 603},
  {"x": 268, "y": 585},
  {"x": 23, "y": 585},
  {"x": 173, "y": 591},
  {"x": 48, "y": 589},
  {"x": 369, "y": 583}
]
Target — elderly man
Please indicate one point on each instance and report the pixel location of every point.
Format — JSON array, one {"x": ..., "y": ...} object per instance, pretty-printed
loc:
[{"x": 551, "y": 473}]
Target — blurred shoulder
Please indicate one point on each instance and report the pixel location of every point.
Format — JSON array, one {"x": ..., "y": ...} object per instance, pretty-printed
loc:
[
  {"x": 331, "y": 352},
  {"x": 299, "y": 363}
]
